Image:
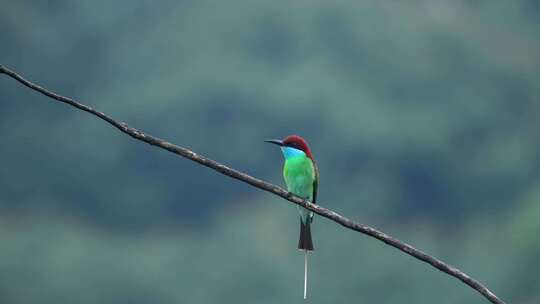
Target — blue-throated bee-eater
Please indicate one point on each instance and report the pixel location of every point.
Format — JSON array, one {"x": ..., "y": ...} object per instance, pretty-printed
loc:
[{"x": 302, "y": 178}]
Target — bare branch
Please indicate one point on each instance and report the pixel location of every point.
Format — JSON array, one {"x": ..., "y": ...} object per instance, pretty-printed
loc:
[{"x": 406, "y": 248}]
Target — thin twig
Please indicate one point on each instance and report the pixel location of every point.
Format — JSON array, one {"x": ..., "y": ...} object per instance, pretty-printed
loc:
[{"x": 406, "y": 248}]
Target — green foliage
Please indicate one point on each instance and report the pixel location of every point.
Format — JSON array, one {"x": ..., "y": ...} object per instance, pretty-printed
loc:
[{"x": 423, "y": 116}]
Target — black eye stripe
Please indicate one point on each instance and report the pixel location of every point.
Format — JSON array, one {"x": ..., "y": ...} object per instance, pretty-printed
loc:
[{"x": 295, "y": 145}]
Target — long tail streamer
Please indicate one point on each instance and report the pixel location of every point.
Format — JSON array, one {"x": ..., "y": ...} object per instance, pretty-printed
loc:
[{"x": 305, "y": 274}]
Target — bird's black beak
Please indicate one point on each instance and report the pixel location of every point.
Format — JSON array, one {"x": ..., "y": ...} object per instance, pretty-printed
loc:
[{"x": 275, "y": 142}]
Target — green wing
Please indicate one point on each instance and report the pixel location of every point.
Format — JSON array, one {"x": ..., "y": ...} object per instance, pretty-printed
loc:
[{"x": 315, "y": 185}]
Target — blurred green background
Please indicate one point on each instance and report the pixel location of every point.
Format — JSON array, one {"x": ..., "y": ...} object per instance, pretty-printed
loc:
[{"x": 423, "y": 116}]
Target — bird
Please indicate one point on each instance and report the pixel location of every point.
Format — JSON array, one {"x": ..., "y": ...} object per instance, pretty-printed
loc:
[{"x": 302, "y": 178}]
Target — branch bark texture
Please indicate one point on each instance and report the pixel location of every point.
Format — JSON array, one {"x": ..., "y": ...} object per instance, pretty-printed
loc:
[{"x": 266, "y": 186}]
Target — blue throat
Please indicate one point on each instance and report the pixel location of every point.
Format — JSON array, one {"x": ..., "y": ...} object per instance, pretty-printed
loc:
[{"x": 289, "y": 152}]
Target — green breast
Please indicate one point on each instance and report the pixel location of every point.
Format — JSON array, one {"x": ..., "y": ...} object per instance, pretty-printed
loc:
[{"x": 299, "y": 175}]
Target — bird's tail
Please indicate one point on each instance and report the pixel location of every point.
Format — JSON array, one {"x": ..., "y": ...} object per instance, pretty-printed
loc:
[
  {"x": 305, "y": 274},
  {"x": 305, "y": 242}
]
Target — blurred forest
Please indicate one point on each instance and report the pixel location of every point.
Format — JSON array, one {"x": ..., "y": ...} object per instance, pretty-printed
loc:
[{"x": 423, "y": 116}]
